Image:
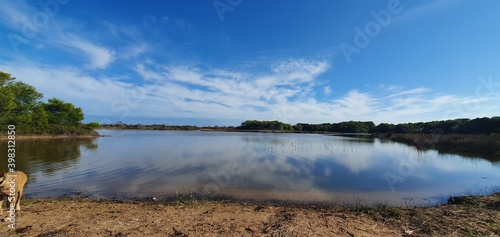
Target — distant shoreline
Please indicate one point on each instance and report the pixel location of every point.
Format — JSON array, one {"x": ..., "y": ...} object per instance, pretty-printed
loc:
[
  {"x": 206, "y": 129},
  {"x": 236, "y": 130},
  {"x": 272, "y": 131}
]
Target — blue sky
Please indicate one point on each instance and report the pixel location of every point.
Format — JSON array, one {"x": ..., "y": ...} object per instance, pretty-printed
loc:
[{"x": 221, "y": 62}]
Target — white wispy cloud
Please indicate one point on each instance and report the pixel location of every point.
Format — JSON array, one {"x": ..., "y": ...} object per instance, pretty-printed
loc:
[
  {"x": 99, "y": 57},
  {"x": 243, "y": 94},
  {"x": 298, "y": 71},
  {"x": 423, "y": 10},
  {"x": 56, "y": 32},
  {"x": 327, "y": 90},
  {"x": 219, "y": 92},
  {"x": 177, "y": 23},
  {"x": 419, "y": 90},
  {"x": 356, "y": 103},
  {"x": 189, "y": 91},
  {"x": 121, "y": 31},
  {"x": 14, "y": 15}
]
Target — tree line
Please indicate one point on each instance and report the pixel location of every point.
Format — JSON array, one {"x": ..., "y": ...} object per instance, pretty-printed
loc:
[
  {"x": 21, "y": 105},
  {"x": 455, "y": 126},
  {"x": 120, "y": 125}
]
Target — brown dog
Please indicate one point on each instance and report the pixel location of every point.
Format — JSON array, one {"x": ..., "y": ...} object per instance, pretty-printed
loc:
[{"x": 11, "y": 185}]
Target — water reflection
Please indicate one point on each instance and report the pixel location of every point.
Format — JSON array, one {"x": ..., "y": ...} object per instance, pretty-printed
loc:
[
  {"x": 300, "y": 167},
  {"x": 47, "y": 156}
]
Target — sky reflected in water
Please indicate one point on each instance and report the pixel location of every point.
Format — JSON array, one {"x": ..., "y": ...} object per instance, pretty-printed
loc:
[{"x": 294, "y": 167}]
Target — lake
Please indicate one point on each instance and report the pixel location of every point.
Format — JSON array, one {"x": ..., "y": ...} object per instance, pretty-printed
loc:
[{"x": 140, "y": 164}]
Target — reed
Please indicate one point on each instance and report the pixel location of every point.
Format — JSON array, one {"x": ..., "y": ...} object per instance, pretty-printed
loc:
[{"x": 461, "y": 143}]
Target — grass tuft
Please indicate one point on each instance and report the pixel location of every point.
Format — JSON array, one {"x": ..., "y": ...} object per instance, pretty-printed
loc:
[{"x": 464, "y": 200}]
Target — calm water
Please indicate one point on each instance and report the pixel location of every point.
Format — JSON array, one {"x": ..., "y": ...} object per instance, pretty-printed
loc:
[{"x": 293, "y": 167}]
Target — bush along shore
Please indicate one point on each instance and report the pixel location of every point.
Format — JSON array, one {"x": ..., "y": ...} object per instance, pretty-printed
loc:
[{"x": 57, "y": 130}]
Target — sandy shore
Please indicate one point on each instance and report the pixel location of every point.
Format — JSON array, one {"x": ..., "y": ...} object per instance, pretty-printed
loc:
[{"x": 464, "y": 216}]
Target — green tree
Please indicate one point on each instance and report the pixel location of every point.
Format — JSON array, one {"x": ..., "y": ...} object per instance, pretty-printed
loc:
[
  {"x": 265, "y": 125},
  {"x": 355, "y": 127},
  {"x": 21, "y": 105},
  {"x": 26, "y": 98},
  {"x": 297, "y": 127},
  {"x": 5, "y": 78},
  {"x": 369, "y": 126},
  {"x": 17, "y": 100},
  {"x": 251, "y": 124},
  {"x": 60, "y": 112},
  {"x": 96, "y": 125},
  {"x": 40, "y": 116},
  {"x": 7, "y": 104},
  {"x": 287, "y": 127},
  {"x": 405, "y": 128},
  {"x": 385, "y": 128}
]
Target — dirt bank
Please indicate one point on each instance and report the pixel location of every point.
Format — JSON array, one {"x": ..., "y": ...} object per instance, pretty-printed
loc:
[
  {"x": 28, "y": 137},
  {"x": 464, "y": 216}
]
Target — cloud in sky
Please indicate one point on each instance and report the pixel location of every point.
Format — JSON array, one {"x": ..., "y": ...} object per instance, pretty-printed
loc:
[
  {"x": 425, "y": 9},
  {"x": 187, "y": 91},
  {"x": 31, "y": 25},
  {"x": 174, "y": 65},
  {"x": 419, "y": 90},
  {"x": 99, "y": 57}
]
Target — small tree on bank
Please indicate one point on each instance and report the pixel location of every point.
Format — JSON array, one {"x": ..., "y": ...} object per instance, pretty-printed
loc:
[
  {"x": 18, "y": 100},
  {"x": 21, "y": 105},
  {"x": 63, "y": 113}
]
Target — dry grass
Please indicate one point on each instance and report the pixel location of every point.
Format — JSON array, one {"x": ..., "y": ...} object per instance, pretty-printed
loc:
[
  {"x": 486, "y": 145},
  {"x": 462, "y": 216}
]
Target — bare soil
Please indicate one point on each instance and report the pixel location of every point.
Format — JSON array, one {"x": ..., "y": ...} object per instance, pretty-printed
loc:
[{"x": 462, "y": 216}]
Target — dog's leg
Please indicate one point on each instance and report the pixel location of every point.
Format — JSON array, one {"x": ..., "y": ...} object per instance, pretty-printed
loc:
[
  {"x": 18, "y": 200},
  {"x": 3, "y": 219}
]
